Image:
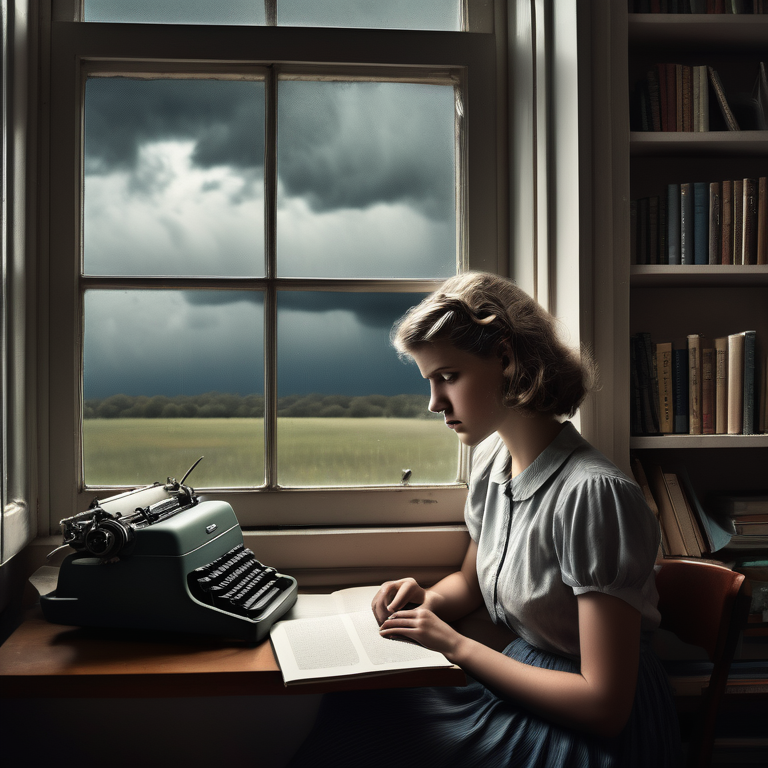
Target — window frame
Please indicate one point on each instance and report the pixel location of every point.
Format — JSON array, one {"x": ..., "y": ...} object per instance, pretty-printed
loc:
[{"x": 77, "y": 46}]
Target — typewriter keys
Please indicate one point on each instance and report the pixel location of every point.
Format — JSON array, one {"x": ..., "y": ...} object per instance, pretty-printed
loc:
[{"x": 238, "y": 583}]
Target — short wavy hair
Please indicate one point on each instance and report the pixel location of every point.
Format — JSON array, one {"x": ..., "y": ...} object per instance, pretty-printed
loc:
[{"x": 489, "y": 316}]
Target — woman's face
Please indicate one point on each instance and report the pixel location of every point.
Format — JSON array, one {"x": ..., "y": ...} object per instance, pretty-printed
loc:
[{"x": 468, "y": 389}]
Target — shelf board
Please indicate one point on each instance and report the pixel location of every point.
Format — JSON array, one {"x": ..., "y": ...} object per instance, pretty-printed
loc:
[
  {"x": 699, "y": 441},
  {"x": 729, "y": 143},
  {"x": 714, "y": 275},
  {"x": 721, "y": 32}
]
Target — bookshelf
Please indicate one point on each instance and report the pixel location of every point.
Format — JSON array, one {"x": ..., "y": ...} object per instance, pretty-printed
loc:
[{"x": 672, "y": 301}]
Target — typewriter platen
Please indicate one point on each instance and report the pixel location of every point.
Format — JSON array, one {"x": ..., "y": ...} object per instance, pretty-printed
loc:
[{"x": 160, "y": 558}]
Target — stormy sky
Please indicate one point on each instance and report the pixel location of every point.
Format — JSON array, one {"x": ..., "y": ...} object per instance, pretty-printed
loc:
[{"x": 174, "y": 185}]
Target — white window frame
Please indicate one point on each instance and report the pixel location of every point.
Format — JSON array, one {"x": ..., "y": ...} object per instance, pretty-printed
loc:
[{"x": 75, "y": 46}]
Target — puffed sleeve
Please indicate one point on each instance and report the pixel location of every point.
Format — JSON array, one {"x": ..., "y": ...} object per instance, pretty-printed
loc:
[{"x": 606, "y": 539}]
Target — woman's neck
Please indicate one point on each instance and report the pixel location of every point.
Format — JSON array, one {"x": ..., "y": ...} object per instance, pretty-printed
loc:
[{"x": 526, "y": 437}]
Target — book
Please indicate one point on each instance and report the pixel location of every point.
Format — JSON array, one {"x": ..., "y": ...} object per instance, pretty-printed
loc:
[
  {"x": 686, "y": 224},
  {"x": 664, "y": 378},
  {"x": 700, "y": 222},
  {"x": 715, "y": 526},
  {"x": 735, "y": 383},
  {"x": 762, "y": 221},
  {"x": 653, "y": 230},
  {"x": 682, "y": 514},
  {"x": 673, "y": 224},
  {"x": 703, "y": 100},
  {"x": 715, "y": 224},
  {"x": 741, "y": 504},
  {"x": 721, "y": 385},
  {"x": 686, "y": 82},
  {"x": 726, "y": 207},
  {"x": 722, "y": 102},
  {"x": 708, "y": 391},
  {"x": 694, "y": 384},
  {"x": 749, "y": 219},
  {"x": 761, "y": 97},
  {"x": 669, "y": 523},
  {"x": 680, "y": 390},
  {"x": 738, "y": 220},
  {"x": 748, "y": 404},
  {"x": 330, "y": 636},
  {"x": 639, "y": 472}
]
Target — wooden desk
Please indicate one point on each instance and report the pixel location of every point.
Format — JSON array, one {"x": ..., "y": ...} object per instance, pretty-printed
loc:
[{"x": 47, "y": 660}]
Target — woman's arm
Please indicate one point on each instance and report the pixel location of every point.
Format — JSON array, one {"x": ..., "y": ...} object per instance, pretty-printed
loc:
[
  {"x": 598, "y": 700},
  {"x": 451, "y": 598}
]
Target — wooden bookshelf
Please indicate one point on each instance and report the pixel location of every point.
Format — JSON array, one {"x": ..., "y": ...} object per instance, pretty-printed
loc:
[{"x": 672, "y": 301}]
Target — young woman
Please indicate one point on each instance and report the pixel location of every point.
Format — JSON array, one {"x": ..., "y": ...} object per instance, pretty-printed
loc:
[{"x": 562, "y": 552}]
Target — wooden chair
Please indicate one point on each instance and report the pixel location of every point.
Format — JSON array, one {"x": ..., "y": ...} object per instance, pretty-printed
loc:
[{"x": 705, "y": 605}]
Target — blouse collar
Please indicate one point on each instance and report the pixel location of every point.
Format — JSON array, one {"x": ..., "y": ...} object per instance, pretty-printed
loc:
[{"x": 543, "y": 467}]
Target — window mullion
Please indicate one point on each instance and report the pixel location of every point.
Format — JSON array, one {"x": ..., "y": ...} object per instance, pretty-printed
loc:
[{"x": 270, "y": 299}]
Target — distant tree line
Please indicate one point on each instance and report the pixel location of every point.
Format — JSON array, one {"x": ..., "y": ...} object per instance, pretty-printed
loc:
[{"x": 222, "y": 405}]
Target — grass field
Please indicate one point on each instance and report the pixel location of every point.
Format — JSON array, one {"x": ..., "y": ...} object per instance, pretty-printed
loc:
[{"x": 310, "y": 451}]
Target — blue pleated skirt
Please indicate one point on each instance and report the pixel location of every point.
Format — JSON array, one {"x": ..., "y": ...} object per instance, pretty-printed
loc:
[{"x": 472, "y": 726}]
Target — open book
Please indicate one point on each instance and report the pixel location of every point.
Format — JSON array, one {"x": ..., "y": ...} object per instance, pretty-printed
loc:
[{"x": 336, "y": 635}]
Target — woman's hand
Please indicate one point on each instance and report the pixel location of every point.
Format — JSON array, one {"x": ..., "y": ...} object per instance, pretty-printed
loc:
[
  {"x": 394, "y": 595},
  {"x": 421, "y": 625}
]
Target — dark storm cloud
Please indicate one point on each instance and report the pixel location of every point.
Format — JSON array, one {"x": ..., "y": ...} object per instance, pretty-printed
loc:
[
  {"x": 224, "y": 118},
  {"x": 372, "y": 310},
  {"x": 353, "y": 145},
  {"x": 340, "y": 145}
]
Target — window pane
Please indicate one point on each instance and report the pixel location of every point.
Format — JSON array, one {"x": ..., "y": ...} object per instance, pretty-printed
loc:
[
  {"x": 366, "y": 182},
  {"x": 174, "y": 177},
  {"x": 442, "y": 15},
  {"x": 176, "y": 11},
  {"x": 169, "y": 376},
  {"x": 349, "y": 411}
]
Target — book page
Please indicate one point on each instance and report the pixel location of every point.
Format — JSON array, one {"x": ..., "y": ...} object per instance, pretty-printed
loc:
[{"x": 311, "y": 606}]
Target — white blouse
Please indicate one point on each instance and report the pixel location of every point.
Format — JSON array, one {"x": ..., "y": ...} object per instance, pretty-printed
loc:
[{"x": 570, "y": 523}]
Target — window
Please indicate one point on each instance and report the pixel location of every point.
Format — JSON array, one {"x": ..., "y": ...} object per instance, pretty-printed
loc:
[{"x": 237, "y": 211}]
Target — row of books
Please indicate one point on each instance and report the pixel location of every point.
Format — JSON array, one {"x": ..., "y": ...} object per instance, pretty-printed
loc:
[
  {"x": 715, "y": 222},
  {"x": 688, "y": 528},
  {"x": 681, "y": 97},
  {"x": 708, "y": 387},
  {"x": 749, "y": 515},
  {"x": 698, "y": 6}
]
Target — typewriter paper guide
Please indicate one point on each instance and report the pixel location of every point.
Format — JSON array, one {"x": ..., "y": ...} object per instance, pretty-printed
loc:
[{"x": 330, "y": 636}]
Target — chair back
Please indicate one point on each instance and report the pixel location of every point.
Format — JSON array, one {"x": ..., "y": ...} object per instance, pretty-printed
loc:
[
  {"x": 704, "y": 605},
  {"x": 696, "y": 601}
]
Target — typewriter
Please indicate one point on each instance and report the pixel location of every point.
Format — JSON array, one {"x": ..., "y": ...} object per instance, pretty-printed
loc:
[{"x": 160, "y": 558}]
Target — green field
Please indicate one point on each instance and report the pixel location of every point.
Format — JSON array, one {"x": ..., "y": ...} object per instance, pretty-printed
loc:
[{"x": 311, "y": 451}]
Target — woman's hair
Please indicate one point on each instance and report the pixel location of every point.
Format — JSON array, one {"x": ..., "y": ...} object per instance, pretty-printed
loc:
[{"x": 490, "y": 316}]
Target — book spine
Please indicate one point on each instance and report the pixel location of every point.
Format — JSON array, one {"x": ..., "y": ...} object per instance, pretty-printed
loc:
[
  {"x": 673, "y": 224},
  {"x": 686, "y": 224},
  {"x": 679, "y": 98},
  {"x": 694, "y": 384},
  {"x": 700, "y": 222},
  {"x": 708, "y": 391},
  {"x": 726, "y": 207},
  {"x": 664, "y": 374},
  {"x": 722, "y": 102},
  {"x": 749, "y": 228},
  {"x": 703, "y": 99},
  {"x": 762, "y": 220},
  {"x": 680, "y": 390},
  {"x": 721, "y": 385},
  {"x": 715, "y": 223},
  {"x": 661, "y": 79},
  {"x": 683, "y": 516},
  {"x": 735, "y": 383},
  {"x": 748, "y": 426},
  {"x": 738, "y": 220},
  {"x": 687, "y": 84},
  {"x": 671, "y": 89}
]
